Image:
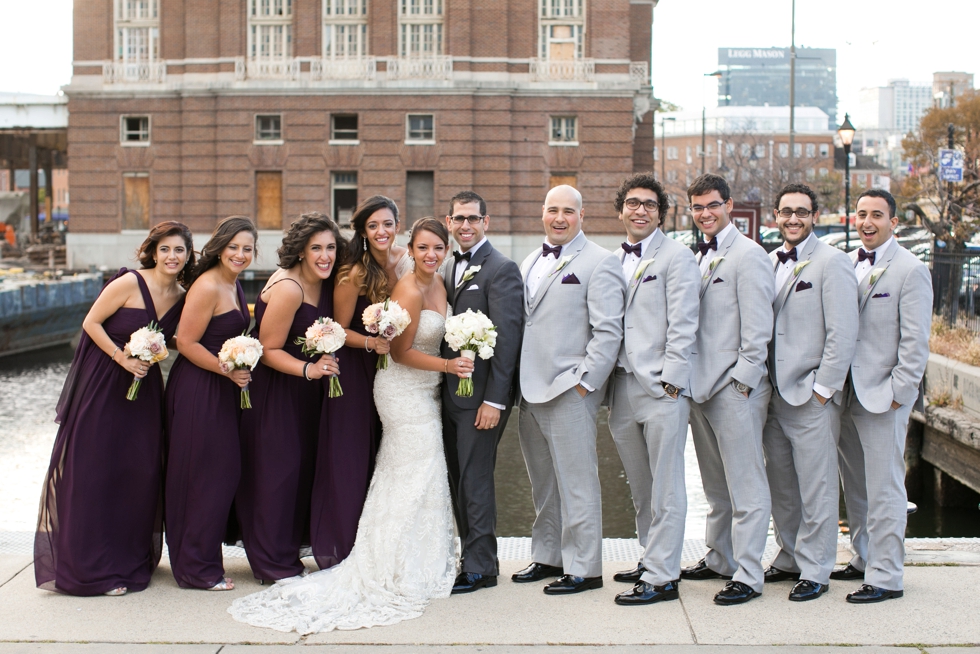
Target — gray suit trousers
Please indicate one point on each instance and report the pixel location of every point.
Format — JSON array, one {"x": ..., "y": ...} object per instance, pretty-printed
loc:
[
  {"x": 801, "y": 461},
  {"x": 727, "y": 431},
  {"x": 558, "y": 441},
  {"x": 872, "y": 465},
  {"x": 650, "y": 434}
]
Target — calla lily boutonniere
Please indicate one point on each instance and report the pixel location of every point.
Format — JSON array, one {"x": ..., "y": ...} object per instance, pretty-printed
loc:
[
  {"x": 469, "y": 274},
  {"x": 640, "y": 268},
  {"x": 714, "y": 264},
  {"x": 875, "y": 276},
  {"x": 797, "y": 269},
  {"x": 561, "y": 264}
]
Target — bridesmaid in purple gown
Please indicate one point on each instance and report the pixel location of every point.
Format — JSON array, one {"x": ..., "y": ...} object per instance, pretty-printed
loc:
[
  {"x": 99, "y": 530},
  {"x": 279, "y": 434},
  {"x": 350, "y": 429},
  {"x": 202, "y": 412}
]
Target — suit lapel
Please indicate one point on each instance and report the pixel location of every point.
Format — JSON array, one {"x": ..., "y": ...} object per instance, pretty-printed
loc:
[
  {"x": 550, "y": 278},
  {"x": 706, "y": 280},
  {"x": 477, "y": 260},
  {"x": 634, "y": 282},
  {"x": 450, "y": 279},
  {"x": 525, "y": 270},
  {"x": 884, "y": 262},
  {"x": 804, "y": 256}
]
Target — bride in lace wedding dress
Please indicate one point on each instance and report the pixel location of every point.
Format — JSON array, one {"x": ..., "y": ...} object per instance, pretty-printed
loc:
[{"x": 404, "y": 554}]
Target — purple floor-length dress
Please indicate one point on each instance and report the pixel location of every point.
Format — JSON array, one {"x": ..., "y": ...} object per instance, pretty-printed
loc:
[
  {"x": 279, "y": 437},
  {"x": 99, "y": 526},
  {"x": 204, "y": 460},
  {"x": 350, "y": 431}
]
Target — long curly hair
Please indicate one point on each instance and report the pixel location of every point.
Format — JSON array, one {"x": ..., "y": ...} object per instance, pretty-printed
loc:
[
  {"x": 300, "y": 233},
  {"x": 147, "y": 251},
  {"x": 374, "y": 282},
  {"x": 222, "y": 235}
]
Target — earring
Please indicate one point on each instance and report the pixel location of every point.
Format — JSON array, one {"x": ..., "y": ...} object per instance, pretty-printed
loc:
[{"x": 365, "y": 244}]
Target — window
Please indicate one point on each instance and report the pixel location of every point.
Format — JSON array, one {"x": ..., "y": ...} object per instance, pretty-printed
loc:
[
  {"x": 135, "y": 130},
  {"x": 562, "y": 179},
  {"x": 136, "y": 201},
  {"x": 268, "y": 200},
  {"x": 671, "y": 175},
  {"x": 822, "y": 172},
  {"x": 270, "y": 29},
  {"x": 656, "y": 153},
  {"x": 344, "y": 188},
  {"x": 811, "y": 174},
  {"x": 562, "y": 29},
  {"x": 564, "y": 130},
  {"x": 137, "y": 30},
  {"x": 420, "y": 28},
  {"x": 420, "y": 196},
  {"x": 343, "y": 128},
  {"x": 687, "y": 152},
  {"x": 824, "y": 150},
  {"x": 784, "y": 150},
  {"x": 420, "y": 128},
  {"x": 344, "y": 29},
  {"x": 730, "y": 149},
  {"x": 672, "y": 153},
  {"x": 811, "y": 150},
  {"x": 797, "y": 150},
  {"x": 760, "y": 151},
  {"x": 268, "y": 128}
]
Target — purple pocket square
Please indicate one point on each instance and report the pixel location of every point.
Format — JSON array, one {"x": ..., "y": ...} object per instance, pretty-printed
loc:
[
  {"x": 648, "y": 278},
  {"x": 570, "y": 279},
  {"x": 802, "y": 286},
  {"x": 718, "y": 280},
  {"x": 880, "y": 295}
]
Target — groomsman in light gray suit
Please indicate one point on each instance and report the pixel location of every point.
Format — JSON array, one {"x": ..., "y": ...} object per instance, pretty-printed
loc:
[
  {"x": 895, "y": 304},
  {"x": 649, "y": 393},
  {"x": 730, "y": 392},
  {"x": 809, "y": 355},
  {"x": 573, "y": 303}
]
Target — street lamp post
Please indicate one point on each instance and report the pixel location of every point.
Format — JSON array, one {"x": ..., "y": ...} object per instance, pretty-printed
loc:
[
  {"x": 846, "y": 133},
  {"x": 663, "y": 148}
]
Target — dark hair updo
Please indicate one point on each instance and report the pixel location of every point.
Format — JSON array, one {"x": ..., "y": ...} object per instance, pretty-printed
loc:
[
  {"x": 429, "y": 224},
  {"x": 300, "y": 233}
]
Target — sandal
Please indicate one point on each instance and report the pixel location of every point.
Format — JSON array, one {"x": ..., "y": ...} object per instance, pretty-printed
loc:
[
  {"x": 116, "y": 592},
  {"x": 224, "y": 584}
]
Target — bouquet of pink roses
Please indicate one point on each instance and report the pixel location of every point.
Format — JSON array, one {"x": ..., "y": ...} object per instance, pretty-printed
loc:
[
  {"x": 146, "y": 344},
  {"x": 325, "y": 336},
  {"x": 241, "y": 352},
  {"x": 386, "y": 319}
]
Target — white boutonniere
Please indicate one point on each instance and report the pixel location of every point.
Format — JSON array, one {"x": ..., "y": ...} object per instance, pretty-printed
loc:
[
  {"x": 640, "y": 268},
  {"x": 797, "y": 269},
  {"x": 561, "y": 264},
  {"x": 712, "y": 265},
  {"x": 875, "y": 276},
  {"x": 469, "y": 274}
]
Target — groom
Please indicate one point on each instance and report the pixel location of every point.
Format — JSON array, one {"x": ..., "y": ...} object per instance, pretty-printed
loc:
[{"x": 480, "y": 278}]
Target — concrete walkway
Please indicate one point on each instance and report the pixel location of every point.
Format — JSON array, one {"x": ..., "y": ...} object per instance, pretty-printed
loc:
[{"x": 941, "y": 608}]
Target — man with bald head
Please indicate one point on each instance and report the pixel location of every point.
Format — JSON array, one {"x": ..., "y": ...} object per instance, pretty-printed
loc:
[{"x": 574, "y": 293}]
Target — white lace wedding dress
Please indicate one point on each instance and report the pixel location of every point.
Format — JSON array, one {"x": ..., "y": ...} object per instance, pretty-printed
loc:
[{"x": 404, "y": 554}]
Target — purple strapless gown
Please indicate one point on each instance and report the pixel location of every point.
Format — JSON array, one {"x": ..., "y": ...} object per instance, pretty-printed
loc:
[
  {"x": 203, "y": 461},
  {"x": 350, "y": 431},
  {"x": 278, "y": 438},
  {"x": 100, "y": 522}
]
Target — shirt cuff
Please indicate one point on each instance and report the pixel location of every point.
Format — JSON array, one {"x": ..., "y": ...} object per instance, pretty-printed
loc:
[
  {"x": 498, "y": 407},
  {"x": 822, "y": 390},
  {"x": 586, "y": 387}
]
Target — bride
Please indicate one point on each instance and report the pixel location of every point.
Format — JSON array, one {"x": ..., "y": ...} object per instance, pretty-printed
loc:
[{"x": 404, "y": 554}]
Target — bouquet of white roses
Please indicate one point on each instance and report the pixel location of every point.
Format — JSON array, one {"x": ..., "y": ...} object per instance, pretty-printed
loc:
[
  {"x": 325, "y": 336},
  {"x": 241, "y": 353},
  {"x": 386, "y": 319},
  {"x": 146, "y": 344},
  {"x": 470, "y": 333}
]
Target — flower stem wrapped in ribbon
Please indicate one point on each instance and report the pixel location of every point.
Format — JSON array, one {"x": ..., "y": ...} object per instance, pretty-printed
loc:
[
  {"x": 471, "y": 334},
  {"x": 146, "y": 344},
  {"x": 325, "y": 336},
  {"x": 386, "y": 319},
  {"x": 241, "y": 353}
]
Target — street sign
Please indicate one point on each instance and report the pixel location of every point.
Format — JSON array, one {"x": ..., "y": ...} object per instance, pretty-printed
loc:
[{"x": 950, "y": 165}]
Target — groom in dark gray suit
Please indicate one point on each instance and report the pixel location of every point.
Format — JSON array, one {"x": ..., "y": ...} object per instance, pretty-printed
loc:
[{"x": 480, "y": 278}]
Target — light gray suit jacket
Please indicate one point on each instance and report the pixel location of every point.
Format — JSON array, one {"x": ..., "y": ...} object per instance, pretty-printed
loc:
[
  {"x": 815, "y": 331},
  {"x": 735, "y": 319},
  {"x": 574, "y": 325},
  {"x": 893, "y": 336},
  {"x": 661, "y": 318}
]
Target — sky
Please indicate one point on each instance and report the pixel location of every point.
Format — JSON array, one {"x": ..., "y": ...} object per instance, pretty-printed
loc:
[{"x": 876, "y": 40}]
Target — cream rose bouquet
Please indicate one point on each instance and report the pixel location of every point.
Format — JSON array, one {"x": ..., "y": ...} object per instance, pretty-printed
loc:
[
  {"x": 146, "y": 344},
  {"x": 386, "y": 319},
  {"x": 241, "y": 353},
  {"x": 325, "y": 336},
  {"x": 471, "y": 334}
]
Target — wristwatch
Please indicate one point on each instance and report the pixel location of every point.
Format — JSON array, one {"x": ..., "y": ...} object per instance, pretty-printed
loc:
[
  {"x": 670, "y": 389},
  {"x": 740, "y": 387}
]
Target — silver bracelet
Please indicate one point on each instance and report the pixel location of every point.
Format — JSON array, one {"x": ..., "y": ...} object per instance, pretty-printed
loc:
[
  {"x": 305, "y": 369},
  {"x": 366, "y": 339},
  {"x": 113, "y": 355}
]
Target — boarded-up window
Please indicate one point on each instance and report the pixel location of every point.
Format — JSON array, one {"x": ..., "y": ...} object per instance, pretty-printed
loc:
[
  {"x": 420, "y": 202},
  {"x": 136, "y": 201},
  {"x": 561, "y": 178},
  {"x": 268, "y": 200}
]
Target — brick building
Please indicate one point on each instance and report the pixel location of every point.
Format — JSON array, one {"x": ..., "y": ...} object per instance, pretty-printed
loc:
[{"x": 269, "y": 108}]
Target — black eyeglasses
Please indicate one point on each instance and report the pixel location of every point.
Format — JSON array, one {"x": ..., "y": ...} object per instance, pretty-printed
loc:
[
  {"x": 713, "y": 206},
  {"x": 458, "y": 220},
  {"x": 634, "y": 203},
  {"x": 787, "y": 212}
]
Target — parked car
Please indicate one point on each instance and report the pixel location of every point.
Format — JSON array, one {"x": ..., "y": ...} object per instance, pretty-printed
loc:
[
  {"x": 770, "y": 238},
  {"x": 684, "y": 236},
  {"x": 839, "y": 240}
]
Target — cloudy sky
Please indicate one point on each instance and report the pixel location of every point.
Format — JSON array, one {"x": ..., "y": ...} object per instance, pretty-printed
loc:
[{"x": 875, "y": 41}]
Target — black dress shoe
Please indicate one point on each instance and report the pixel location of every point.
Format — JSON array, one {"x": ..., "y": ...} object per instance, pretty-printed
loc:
[
  {"x": 630, "y": 576},
  {"x": 775, "y": 574},
  {"x": 850, "y": 572},
  {"x": 647, "y": 593},
  {"x": 701, "y": 571},
  {"x": 735, "y": 592},
  {"x": 569, "y": 584},
  {"x": 467, "y": 582},
  {"x": 537, "y": 572},
  {"x": 806, "y": 590},
  {"x": 868, "y": 594}
]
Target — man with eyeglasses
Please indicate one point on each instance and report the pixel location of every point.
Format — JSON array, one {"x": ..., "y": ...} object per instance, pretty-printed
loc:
[
  {"x": 730, "y": 393},
  {"x": 480, "y": 278},
  {"x": 649, "y": 392},
  {"x": 811, "y": 350},
  {"x": 895, "y": 308}
]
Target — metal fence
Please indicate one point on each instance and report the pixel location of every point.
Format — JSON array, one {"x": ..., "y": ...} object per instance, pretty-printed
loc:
[{"x": 955, "y": 287}]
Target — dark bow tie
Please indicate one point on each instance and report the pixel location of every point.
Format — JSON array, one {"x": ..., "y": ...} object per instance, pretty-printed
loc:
[
  {"x": 462, "y": 256},
  {"x": 547, "y": 249},
  {"x": 785, "y": 256},
  {"x": 704, "y": 246},
  {"x": 632, "y": 249},
  {"x": 863, "y": 254}
]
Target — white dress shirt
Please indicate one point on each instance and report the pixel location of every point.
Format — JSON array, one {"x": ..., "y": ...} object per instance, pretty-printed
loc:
[
  {"x": 631, "y": 261},
  {"x": 463, "y": 264},
  {"x": 711, "y": 254},
  {"x": 784, "y": 270},
  {"x": 862, "y": 268}
]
